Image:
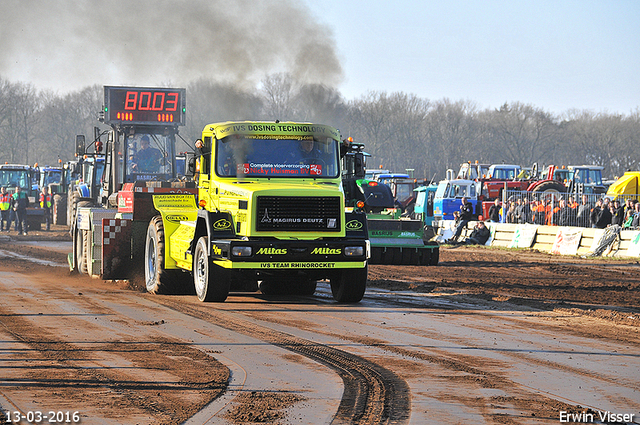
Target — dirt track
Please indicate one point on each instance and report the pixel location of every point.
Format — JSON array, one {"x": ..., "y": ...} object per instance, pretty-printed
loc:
[{"x": 139, "y": 358}]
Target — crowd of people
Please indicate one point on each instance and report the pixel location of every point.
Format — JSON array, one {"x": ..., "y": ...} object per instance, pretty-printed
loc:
[
  {"x": 561, "y": 211},
  {"x": 13, "y": 209},
  {"x": 591, "y": 211}
]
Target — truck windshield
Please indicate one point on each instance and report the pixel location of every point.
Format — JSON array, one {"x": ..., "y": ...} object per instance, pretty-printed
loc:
[
  {"x": 149, "y": 156},
  {"x": 52, "y": 177},
  {"x": 13, "y": 178},
  {"x": 269, "y": 157}
]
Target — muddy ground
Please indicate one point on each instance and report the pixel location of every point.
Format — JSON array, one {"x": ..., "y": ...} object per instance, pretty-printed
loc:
[
  {"x": 603, "y": 291},
  {"x": 608, "y": 288}
]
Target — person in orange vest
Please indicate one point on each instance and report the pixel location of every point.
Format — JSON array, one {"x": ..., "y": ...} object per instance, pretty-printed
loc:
[
  {"x": 5, "y": 206},
  {"x": 46, "y": 204},
  {"x": 19, "y": 204}
]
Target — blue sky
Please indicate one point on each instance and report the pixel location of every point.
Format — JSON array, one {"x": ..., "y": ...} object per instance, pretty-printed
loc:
[{"x": 556, "y": 55}]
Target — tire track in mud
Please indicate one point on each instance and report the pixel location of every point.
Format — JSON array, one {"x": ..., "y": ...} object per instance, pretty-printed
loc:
[
  {"x": 95, "y": 374},
  {"x": 372, "y": 393}
]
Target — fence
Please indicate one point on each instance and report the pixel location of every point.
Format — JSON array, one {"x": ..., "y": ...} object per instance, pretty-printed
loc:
[{"x": 561, "y": 209}]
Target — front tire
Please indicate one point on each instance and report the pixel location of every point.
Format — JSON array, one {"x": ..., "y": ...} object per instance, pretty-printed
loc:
[
  {"x": 349, "y": 285},
  {"x": 158, "y": 280},
  {"x": 212, "y": 283}
]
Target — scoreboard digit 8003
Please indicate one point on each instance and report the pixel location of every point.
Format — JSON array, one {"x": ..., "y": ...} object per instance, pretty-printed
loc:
[{"x": 144, "y": 105}]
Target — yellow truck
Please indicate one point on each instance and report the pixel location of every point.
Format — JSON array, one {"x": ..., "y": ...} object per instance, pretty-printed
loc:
[
  {"x": 626, "y": 186},
  {"x": 269, "y": 214}
]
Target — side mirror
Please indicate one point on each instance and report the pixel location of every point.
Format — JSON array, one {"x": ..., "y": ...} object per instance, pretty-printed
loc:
[{"x": 190, "y": 161}]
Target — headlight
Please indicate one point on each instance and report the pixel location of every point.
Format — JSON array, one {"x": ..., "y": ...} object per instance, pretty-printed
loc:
[
  {"x": 241, "y": 251},
  {"x": 354, "y": 251}
]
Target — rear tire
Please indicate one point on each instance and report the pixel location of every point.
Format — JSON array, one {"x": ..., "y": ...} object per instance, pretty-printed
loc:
[
  {"x": 211, "y": 282},
  {"x": 81, "y": 258},
  {"x": 59, "y": 209},
  {"x": 349, "y": 285},
  {"x": 435, "y": 257},
  {"x": 376, "y": 256},
  {"x": 550, "y": 186},
  {"x": 158, "y": 280}
]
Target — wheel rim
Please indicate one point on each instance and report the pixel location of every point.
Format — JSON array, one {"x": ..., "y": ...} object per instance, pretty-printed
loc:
[
  {"x": 200, "y": 273},
  {"x": 150, "y": 266}
]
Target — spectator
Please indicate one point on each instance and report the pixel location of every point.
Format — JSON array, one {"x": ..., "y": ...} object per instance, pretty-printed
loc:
[
  {"x": 568, "y": 216},
  {"x": 635, "y": 223},
  {"x": 494, "y": 211},
  {"x": 629, "y": 210},
  {"x": 584, "y": 209},
  {"x": 604, "y": 216},
  {"x": 479, "y": 236},
  {"x": 46, "y": 204},
  {"x": 466, "y": 215},
  {"x": 595, "y": 213},
  {"x": 511, "y": 212},
  {"x": 548, "y": 211},
  {"x": 539, "y": 212},
  {"x": 5, "y": 205},
  {"x": 617, "y": 213},
  {"x": 19, "y": 204},
  {"x": 517, "y": 213},
  {"x": 558, "y": 209},
  {"x": 525, "y": 215}
]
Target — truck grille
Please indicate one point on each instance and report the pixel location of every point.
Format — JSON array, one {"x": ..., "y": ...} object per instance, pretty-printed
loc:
[{"x": 298, "y": 213}]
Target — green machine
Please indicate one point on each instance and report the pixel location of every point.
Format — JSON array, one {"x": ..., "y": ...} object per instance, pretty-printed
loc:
[{"x": 394, "y": 239}]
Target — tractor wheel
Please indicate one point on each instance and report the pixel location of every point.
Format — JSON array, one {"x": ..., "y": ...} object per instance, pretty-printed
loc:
[
  {"x": 211, "y": 282},
  {"x": 158, "y": 280},
  {"x": 59, "y": 209},
  {"x": 410, "y": 256},
  {"x": 81, "y": 254},
  {"x": 75, "y": 204},
  {"x": 396, "y": 256},
  {"x": 376, "y": 255},
  {"x": 348, "y": 285},
  {"x": 435, "y": 257},
  {"x": 550, "y": 186}
]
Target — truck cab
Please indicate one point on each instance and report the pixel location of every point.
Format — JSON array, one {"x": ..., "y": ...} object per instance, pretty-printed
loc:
[
  {"x": 270, "y": 214},
  {"x": 448, "y": 197},
  {"x": 25, "y": 176}
]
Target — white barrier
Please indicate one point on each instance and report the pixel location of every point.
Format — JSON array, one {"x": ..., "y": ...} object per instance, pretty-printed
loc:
[{"x": 552, "y": 239}]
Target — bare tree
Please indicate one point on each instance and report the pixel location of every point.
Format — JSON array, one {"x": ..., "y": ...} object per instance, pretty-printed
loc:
[
  {"x": 454, "y": 135},
  {"x": 521, "y": 134},
  {"x": 277, "y": 92}
]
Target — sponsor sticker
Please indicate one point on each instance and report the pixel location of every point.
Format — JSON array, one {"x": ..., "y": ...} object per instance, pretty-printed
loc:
[{"x": 300, "y": 265}]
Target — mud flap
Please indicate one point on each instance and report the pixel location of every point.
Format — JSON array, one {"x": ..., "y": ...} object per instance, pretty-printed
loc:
[{"x": 116, "y": 248}]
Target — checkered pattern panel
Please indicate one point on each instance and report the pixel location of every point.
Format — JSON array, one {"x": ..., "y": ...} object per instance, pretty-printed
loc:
[{"x": 111, "y": 228}]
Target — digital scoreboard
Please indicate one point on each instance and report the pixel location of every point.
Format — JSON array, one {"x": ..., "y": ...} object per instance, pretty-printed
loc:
[{"x": 144, "y": 105}]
